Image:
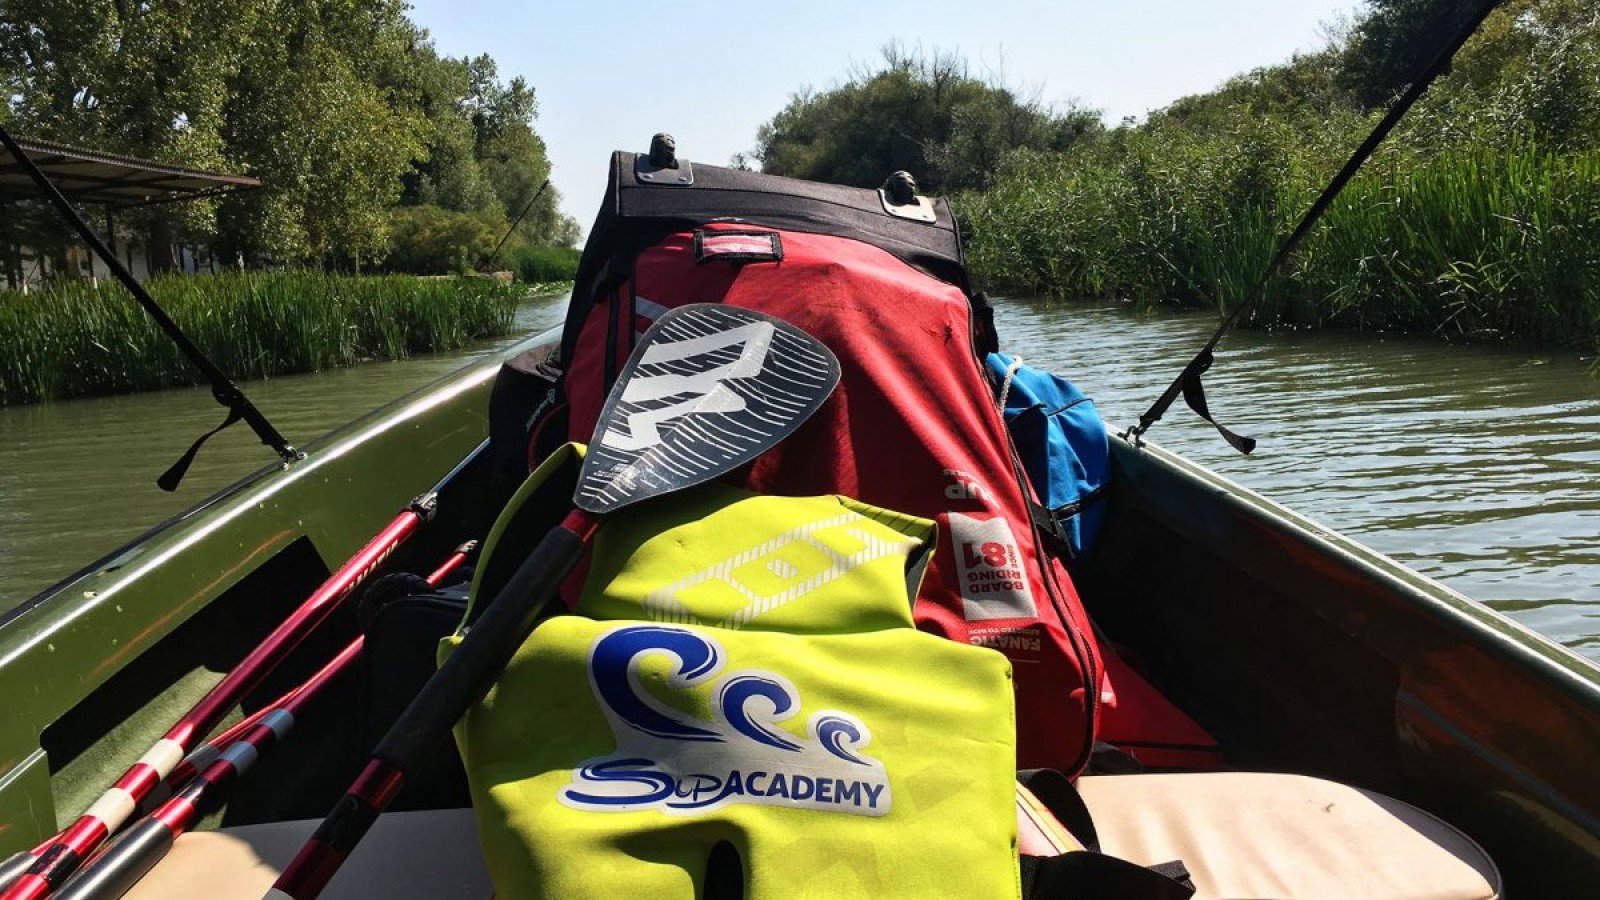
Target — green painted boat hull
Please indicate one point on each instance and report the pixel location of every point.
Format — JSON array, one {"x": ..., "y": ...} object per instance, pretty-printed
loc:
[
  {"x": 204, "y": 587},
  {"x": 1299, "y": 649}
]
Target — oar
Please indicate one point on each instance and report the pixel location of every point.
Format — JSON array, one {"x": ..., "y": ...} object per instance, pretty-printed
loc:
[
  {"x": 61, "y": 856},
  {"x": 207, "y": 752},
  {"x": 707, "y": 390},
  {"x": 126, "y": 860},
  {"x": 453, "y": 562},
  {"x": 198, "y": 782}
]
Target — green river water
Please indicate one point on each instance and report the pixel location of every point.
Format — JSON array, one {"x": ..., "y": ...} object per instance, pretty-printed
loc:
[{"x": 1478, "y": 466}]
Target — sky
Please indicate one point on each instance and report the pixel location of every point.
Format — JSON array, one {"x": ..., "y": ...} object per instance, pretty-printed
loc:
[{"x": 610, "y": 75}]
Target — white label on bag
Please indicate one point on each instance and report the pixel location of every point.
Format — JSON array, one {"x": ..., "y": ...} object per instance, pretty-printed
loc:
[{"x": 994, "y": 582}]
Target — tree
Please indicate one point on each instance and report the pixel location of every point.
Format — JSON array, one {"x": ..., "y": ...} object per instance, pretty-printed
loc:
[
  {"x": 1392, "y": 45},
  {"x": 143, "y": 79},
  {"x": 482, "y": 154},
  {"x": 310, "y": 116},
  {"x": 925, "y": 114},
  {"x": 342, "y": 108}
]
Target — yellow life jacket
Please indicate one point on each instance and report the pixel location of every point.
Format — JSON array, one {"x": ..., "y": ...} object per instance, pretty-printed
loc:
[{"x": 741, "y": 674}]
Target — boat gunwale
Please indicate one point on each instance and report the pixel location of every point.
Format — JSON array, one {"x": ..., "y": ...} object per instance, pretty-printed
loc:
[
  {"x": 1487, "y": 628},
  {"x": 359, "y": 429}
]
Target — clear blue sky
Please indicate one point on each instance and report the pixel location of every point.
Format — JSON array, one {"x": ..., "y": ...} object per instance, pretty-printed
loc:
[{"x": 609, "y": 75}]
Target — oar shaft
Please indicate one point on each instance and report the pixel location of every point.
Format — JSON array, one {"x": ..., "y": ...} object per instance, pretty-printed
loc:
[
  {"x": 62, "y": 856},
  {"x": 484, "y": 651},
  {"x": 283, "y": 639},
  {"x": 126, "y": 860},
  {"x": 461, "y": 555}
]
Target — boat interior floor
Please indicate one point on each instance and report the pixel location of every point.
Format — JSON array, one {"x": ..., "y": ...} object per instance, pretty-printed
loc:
[{"x": 1240, "y": 834}]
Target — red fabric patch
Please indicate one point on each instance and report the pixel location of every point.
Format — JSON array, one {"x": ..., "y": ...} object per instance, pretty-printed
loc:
[{"x": 738, "y": 246}]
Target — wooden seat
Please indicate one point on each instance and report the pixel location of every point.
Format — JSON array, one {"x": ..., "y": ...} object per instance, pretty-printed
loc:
[
  {"x": 1286, "y": 837},
  {"x": 1242, "y": 835}
]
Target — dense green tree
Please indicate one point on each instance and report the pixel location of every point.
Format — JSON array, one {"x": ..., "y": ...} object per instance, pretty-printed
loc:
[
  {"x": 922, "y": 113},
  {"x": 143, "y": 79},
  {"x": 342, "y": 107},
  {"x": 1395, "y": 41},
  {"x": 308, "y": 115}
]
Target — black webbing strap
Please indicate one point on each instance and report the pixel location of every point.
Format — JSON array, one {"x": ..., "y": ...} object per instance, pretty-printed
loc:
[
  {"x": 225, "y": 391},
  {"x": 1055, "y": 790},
  {"x": 1087, "y": 875},
  {"x": 174, "y": 474},
  {"x": 1090, "y": 874},
  {"x": 1188, "y": 381}
]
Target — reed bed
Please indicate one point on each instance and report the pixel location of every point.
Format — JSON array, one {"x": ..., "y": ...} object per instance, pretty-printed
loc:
[
  {"x": 1494, "y": 240},
  {"x": 73, "y": 339}
]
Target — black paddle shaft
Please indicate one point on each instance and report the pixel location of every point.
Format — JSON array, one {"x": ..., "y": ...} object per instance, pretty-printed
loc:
[
  {"x": 708, "y": 389},
  {"x": 484, "y": 651}
]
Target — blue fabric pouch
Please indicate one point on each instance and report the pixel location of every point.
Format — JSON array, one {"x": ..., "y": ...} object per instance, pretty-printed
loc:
[{"x": 1062, "y": 444}]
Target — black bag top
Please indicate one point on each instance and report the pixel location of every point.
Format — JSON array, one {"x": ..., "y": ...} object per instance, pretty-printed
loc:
[{"x": 644, "y": 202}]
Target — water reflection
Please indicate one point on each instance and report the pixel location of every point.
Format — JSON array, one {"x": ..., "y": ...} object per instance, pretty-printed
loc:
[
  {"x": 77, "y": 479},
  {"x": 1477, "y": 466}
]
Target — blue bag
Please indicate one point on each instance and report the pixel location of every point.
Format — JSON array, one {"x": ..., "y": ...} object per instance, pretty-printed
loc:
[{"x": 1061, "y": 442}]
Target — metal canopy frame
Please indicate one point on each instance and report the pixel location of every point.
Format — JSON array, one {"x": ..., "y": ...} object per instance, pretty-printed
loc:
[{"x": 116, "y": 182}]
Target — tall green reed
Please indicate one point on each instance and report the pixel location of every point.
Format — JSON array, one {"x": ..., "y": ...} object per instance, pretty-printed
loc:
[
  {"x": 1497, "y": 237},
  {"x": 71, "y": 339}
]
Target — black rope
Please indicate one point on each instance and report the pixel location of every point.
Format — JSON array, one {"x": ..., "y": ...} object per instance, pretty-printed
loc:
[
  {"x": 225, "y": 391},
  {"x": 1188, "y": 381},
  {"x": 504, "y": 237}
]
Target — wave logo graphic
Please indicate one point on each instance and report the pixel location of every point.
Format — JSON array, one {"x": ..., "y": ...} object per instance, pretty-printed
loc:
[{"x": 672, "y": 762}]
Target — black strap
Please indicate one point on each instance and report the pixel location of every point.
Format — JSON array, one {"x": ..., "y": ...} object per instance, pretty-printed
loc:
[
  {"x": 1194, "y": 394},
  {"x": 1050, "y": 528},
  {"x": 226, "y": 392},
  {"x": 1056, "y": 792},
  {"x": 169, "y": 479},
  {"x": 1087, "y": 875}
]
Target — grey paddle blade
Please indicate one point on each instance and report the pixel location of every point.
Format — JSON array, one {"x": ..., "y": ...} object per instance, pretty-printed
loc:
[{"x": 708, "y": 389}]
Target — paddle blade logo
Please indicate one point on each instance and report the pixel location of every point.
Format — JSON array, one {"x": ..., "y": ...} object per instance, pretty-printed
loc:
[
  {"x": 669, "y": 761},
  {"x": 707, "y": 390}
]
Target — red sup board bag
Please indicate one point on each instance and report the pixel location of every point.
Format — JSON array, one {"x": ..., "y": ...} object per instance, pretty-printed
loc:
[{"x": 913, "y": 426}]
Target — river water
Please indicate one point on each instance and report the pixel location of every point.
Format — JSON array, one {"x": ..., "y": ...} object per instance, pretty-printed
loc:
[{"x": 1478, "y": 466}]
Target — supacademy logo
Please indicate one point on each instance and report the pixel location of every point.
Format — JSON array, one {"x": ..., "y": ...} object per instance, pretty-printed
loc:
[{"x": 672, "y": 762}]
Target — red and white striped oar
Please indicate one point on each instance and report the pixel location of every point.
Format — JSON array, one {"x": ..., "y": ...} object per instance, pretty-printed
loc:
[
  {"x": 61, "y": 856},
  {"x": 707, "y": 390},
  {"x": 126, "y": 860},
  {"x": 206, "y": 773},
  {"x": 207, "y": 752}
]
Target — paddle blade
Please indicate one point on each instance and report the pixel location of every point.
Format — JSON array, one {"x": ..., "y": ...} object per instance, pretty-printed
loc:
[{"x": 708, "y": 389}]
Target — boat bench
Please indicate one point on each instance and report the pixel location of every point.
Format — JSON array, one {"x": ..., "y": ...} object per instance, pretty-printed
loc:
[
  {"x": 1241, "y": 835},
  {"x": 1286, "y": 837}
]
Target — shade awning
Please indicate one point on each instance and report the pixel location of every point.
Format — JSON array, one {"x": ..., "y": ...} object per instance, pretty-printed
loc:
[{"x": 89, "y": 176}]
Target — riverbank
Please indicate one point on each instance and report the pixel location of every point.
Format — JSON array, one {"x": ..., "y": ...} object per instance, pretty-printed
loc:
[
  {"x": 1480, "y": 469},
  {"x": 75, "y": 339},
  {"x": 1480, "y": 242}
]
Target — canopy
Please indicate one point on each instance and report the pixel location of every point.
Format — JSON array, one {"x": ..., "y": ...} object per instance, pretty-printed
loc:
[{"x": 89, "y": 176}]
